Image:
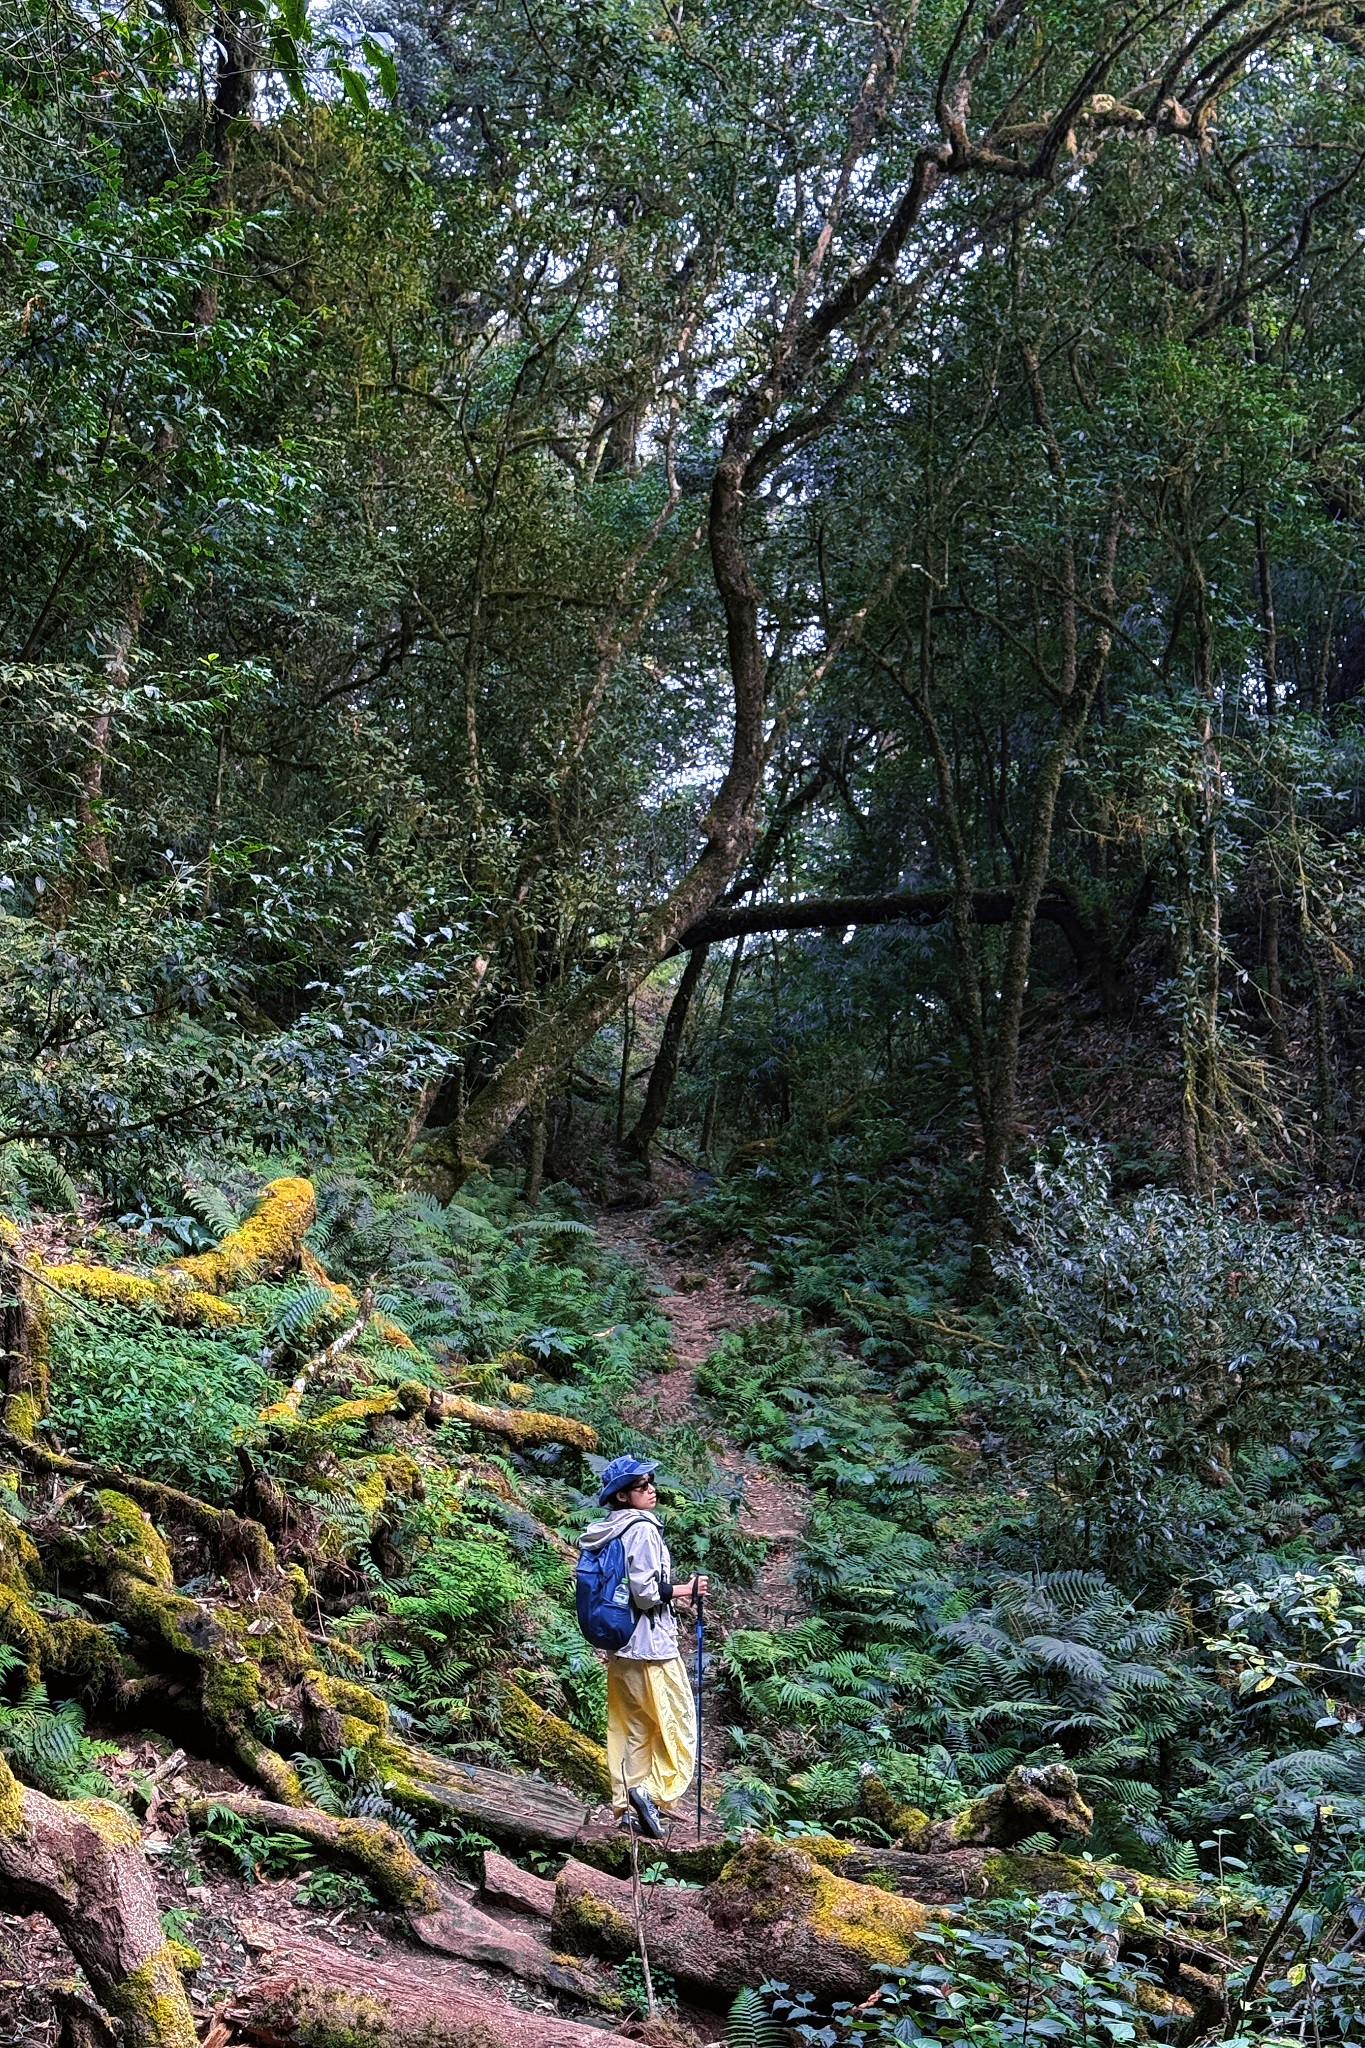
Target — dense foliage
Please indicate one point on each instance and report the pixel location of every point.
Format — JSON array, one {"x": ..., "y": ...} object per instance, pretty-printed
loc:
[{"x": 763, "y": 606}]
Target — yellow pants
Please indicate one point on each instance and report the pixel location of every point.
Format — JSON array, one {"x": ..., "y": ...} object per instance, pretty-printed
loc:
[{"x": 651, "y": 1729}]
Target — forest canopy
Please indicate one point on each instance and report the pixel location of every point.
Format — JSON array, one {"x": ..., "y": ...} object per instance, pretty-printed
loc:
[{"x": 750, "y": 613}]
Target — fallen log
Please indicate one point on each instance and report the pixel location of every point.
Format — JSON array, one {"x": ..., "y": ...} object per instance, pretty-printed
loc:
[
  {"x": 773, "y": 1912},
  {"x": 311, "y": 1994},
  {"x": 365, "y": 1844},
  {"x": 266, "y": 1244},
  {"x": 79, "y": 1863},
  {"x": 524, "y": 1427}
]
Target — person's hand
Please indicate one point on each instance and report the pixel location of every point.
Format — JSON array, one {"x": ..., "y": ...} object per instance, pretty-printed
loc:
[{"x": 688, "y": 1593}]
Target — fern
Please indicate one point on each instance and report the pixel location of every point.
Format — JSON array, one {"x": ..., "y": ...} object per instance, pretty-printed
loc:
[
  {"x": 1182, "y": 1863},
  {"x": 318, "y": 1782},
  {"x": 210, "y": 1206},
  {"x": 301, "y": 1307},
  {"x": 45, "y": 1180},
  {"x": 48, "y": 1746},
  {"x": 749, "y": 2024}
]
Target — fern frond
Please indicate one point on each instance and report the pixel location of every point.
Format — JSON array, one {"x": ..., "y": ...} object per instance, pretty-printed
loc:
[{"x": 749, "y": 2024}]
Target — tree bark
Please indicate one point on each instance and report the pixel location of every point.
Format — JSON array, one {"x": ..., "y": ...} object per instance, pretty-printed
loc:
[{"x": 1056, "y": 904}]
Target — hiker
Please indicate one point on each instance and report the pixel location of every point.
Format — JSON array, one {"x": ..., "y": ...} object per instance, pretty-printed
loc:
[{"x": 625, "y": 1605}]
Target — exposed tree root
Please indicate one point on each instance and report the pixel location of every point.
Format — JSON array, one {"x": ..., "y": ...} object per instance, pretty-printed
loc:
[
  {"x": 80, "y": 1863},
  {"x": 367, "y": 1845}
]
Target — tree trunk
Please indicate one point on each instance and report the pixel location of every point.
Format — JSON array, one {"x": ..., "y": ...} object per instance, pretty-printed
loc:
[
  {"x": 81, "y": 1866},
  {"x": 664, "y": 1073}
]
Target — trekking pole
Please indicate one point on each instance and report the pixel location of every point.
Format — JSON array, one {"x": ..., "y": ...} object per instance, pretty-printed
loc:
[{"x": 701, "y": 1643}]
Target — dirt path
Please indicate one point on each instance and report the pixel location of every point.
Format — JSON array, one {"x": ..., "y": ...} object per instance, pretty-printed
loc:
[{"x": 703, "y": 1297}]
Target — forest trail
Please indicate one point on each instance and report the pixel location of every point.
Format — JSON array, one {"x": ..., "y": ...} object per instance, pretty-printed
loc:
[{"x": 704, "y": 1296}]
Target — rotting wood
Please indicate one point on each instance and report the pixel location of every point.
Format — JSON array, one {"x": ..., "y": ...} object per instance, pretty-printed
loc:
[
  {"x": 305, "y": 1991},
  {"x": 458, "y": 1928}
]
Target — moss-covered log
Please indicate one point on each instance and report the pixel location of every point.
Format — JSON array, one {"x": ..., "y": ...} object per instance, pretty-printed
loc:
[
  {"x": 370, "y": 1846},
  {"x": 522, "y": 1427},
  {"x": 773, "y": 1912},
  {"x": 263, "y": 1247},
  {"x": 80, "y": 1863},
  {"x": 1034, "y": 1799}
]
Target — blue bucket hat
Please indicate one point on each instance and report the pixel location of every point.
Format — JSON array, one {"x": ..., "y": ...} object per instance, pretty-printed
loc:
[{"x": 618, "y": 1475}]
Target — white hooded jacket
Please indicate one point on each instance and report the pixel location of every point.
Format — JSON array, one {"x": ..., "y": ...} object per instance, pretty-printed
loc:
[{"x": 650, "y": 1570}]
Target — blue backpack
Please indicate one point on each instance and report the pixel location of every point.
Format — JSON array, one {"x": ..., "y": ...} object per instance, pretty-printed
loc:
[{"x": 602, "y": 1587}]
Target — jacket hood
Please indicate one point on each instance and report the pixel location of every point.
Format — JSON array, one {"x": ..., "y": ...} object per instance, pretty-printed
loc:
[{"x": 598, "y": 1534}]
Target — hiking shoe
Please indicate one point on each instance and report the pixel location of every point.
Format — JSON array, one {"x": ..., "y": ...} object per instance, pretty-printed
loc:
[{"x": 646, "y": 1813}]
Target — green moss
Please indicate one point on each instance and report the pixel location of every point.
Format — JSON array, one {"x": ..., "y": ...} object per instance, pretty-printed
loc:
[
  {"x": 586, "y": 1926},
  {"x": 355, "y": 1701},
  {"x": 127, "y": 1538},
  {"x": 879, "y": 1926},
  {"x": 550, "y": 1744},
  {"x": 763, "y": 1882},
  {"x": 905, "y": 1824},
  {"x": 22, "y": 1414},
  {"x": 1162, "y": 2004},
  {"x": 386, "y": 1857},
  {"x": 152, "y": 2004}
]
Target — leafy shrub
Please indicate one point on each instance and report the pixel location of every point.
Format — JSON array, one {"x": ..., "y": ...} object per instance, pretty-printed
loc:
[
  {"x": 1158, "y": 1348},
  {"x": 168, "y": 1402},
  {"x": 1023, "y": 1967}
]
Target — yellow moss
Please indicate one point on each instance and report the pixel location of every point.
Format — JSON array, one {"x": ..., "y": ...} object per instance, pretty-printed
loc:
[
  {"x": 524, "y": 1426},
  {"x": 169, "y": 1296},
  {"x": 386, "y": 1857},
  {"x": 22, "y": 1414},
  {"x": 368, "y": 1494},
  {"x": 767, "y": 1881},
  {"x": 879, "y": 1926},
  {"x": 352, "y": 1701},
  {"x": 266, "y": 1243},
  {"x": 151, "y": 2001},
  {"x": 347, "y": 1304},
  {"x": 11, "y": 1802},
  {"x": 1007, "y": 1873},
  {"x": 1162, "y": 2004},
  {"x": 111, "y": 1823},
  {"x": 186, "y": 1958},
  {"x": 827, "y": 1848},
  {"x": 300, "y": 1592},
  {"x": 548, "y": 1742},
  {"x": 363, "y": 1409}
]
